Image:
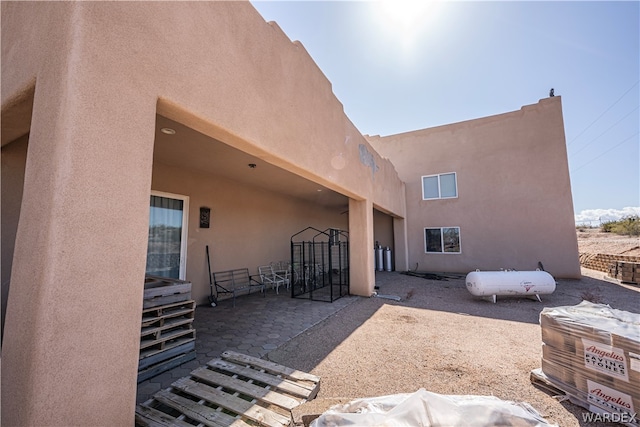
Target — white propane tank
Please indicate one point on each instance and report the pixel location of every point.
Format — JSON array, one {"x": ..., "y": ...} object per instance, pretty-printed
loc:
[{"x": 515, "y": 283}]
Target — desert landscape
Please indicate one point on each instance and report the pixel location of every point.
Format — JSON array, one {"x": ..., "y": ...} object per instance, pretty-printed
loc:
[{"x": 594, "y": 241}]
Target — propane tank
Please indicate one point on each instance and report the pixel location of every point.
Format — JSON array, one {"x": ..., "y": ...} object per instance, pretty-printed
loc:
[
  {"x": 387, "y": 258},
  {"x": 516, "y": 283},
  {"x": 379, "y": 260}
]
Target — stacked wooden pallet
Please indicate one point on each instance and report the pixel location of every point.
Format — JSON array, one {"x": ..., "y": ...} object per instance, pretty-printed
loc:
[
  {"x": 235, "y": 389},
  {"x": 161, "y": 291},
  {"x": 167, "y": 336},
  {"x": 625, "y": 271}
]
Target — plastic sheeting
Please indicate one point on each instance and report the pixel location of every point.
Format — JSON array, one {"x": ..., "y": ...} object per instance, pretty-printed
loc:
[
  {"x": 427, "y": 409},
  {"x": 598, "y": 320}
]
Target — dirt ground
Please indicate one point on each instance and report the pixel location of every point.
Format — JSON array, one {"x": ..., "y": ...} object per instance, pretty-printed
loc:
[
  {"x": 441, "y": 338},
  {"x": 593, "y": 241}
]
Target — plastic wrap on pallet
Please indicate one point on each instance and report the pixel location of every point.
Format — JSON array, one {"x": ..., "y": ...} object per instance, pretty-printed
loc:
[
  {"x": 600, "y": 321},
  {"x": 592, "y": 353}
]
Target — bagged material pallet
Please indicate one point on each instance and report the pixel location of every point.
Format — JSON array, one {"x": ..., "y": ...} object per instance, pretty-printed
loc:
[{"x": 592, "y": 353}]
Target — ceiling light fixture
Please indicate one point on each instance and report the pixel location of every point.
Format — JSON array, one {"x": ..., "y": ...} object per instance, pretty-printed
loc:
[
  {"x": 252, "y": 165},
  {"x": 168, "y": 131}
]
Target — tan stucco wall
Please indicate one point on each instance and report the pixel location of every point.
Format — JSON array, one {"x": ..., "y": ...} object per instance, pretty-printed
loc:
[
  {"x": 72, "y": 324},
  {"x": 249, "y": 226},
  {"x": 102, "y": 71},
  {"x": 514, "y": 205}
]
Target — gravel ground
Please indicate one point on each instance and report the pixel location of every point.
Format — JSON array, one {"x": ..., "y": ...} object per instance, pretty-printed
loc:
[{"x": 441, "y": 338}]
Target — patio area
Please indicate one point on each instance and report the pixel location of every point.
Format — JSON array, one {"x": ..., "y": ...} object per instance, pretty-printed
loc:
[{"x": 255, "y": 326}]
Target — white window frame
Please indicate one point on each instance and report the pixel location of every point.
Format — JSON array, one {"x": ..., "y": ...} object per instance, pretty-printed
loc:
[
  {"x": 424, "y": 238},
  {"x": 455, "y": 175},
  {"x": 185, "y": 227}
]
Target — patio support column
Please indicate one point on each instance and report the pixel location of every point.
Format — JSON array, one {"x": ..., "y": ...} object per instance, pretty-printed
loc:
[
  {"x": 362, "y": 277},
  {"x": 72, "y": 330}
]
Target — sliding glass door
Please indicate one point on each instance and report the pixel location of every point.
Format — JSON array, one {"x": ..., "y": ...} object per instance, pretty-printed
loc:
[{"x": 167, "y": 250}]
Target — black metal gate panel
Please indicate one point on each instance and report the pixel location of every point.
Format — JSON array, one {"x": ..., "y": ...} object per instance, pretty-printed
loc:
[{"x": 320, "y": 264}]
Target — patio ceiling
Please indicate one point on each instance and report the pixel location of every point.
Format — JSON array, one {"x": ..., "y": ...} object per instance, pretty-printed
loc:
[{"x": 190, "y": 149}]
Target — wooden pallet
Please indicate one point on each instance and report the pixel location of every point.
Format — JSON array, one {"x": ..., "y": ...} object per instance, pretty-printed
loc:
[
  {"x": 234, "y": 389},
  {"x": 540, "y": 380},
  {"x": 164, "y": 326},
  {"x": 162, "y": 338},
  {"x": 167, "y": 346},
  {"x": 162, "y": 291},
  {"x": 166, "y": 360},
  {"x": 156, "y": 316},
  {"x": 167, "y": 338}
]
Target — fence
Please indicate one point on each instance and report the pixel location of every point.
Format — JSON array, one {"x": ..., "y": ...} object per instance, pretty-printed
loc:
[{"x": 320, "y": 264}]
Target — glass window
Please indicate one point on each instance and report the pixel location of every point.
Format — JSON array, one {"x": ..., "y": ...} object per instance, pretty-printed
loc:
[
  {"x": 442, "y": 186},
  {"x": 442, "y": 240},
  {"x": 451, "y": 239},
  {"x": 430, "y": 187},
  {"x": 433, "y": 238},
  {"x": 166, "y": 250},
  {"x": 448, "y": 185}
]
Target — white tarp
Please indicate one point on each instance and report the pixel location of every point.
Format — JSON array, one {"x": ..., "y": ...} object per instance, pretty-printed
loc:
[{"x": 424, "y": 408}]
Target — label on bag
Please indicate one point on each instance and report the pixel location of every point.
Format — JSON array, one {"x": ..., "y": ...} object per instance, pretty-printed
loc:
[{"x": 605, "y": 359}]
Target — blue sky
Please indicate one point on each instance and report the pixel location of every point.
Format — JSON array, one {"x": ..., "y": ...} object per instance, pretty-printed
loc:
[{"x": 403, "y": 65}]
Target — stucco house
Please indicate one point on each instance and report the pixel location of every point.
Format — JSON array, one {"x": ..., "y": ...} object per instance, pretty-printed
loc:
[{"x": 113, "y": 109}]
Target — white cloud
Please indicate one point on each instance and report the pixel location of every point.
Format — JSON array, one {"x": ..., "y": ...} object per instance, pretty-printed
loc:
[{"x": 597, "y": 216}]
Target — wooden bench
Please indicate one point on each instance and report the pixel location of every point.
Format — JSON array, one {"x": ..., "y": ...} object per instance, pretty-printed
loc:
[{"x": 233, "y": 282}]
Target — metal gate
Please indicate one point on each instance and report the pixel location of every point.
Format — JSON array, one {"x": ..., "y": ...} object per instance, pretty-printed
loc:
[{"x": 320, "y": 264}]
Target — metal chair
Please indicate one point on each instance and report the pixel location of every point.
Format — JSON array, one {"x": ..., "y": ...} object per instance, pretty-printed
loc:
[
  {"x": 282, "y": 268},
  {"x": 270, "y": 277}
]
